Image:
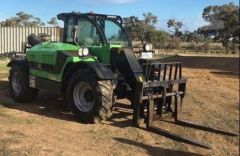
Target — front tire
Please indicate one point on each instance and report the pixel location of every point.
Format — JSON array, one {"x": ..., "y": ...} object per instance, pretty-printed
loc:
[
  {"x": 91, "y": 100},
  {"x": 19, "y": 84}
]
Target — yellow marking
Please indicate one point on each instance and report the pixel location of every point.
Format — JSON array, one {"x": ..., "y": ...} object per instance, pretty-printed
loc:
[
  {"x": 140, "y": 78},
  {"x": 51, "y": 77}
]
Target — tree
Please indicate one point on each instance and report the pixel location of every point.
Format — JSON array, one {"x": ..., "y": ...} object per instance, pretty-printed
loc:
[
  {"x": 141, "y": 29},
  {"x": 193, "y": 37},
  {"x": 53, "y": 21},
  {"x": 159, "y": 38},
  {"x": 149, "y": 19},
  {"x": 176, "y": 25},
  {"x": 22, "y": 19},
  {"x": 148, "y": 27},
  {"x": 223, "y": 23}
]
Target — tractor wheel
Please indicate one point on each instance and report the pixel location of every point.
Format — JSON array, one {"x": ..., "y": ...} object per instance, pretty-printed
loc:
[
  {"x": 19, "y": 84},
  {"x": 91, "y": 100}
]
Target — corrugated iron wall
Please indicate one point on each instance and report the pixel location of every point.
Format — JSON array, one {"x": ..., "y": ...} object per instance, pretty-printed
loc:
[{"x": 14, "y": 38}]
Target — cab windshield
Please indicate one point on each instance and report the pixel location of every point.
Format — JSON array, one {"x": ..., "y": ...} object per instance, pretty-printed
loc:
[
  {"x": 88, "y": 34},
  {"x": 115, "y": 34}
]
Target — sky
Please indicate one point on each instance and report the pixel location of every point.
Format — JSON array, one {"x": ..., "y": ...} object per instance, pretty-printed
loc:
[{"x": 187, "y": 11}]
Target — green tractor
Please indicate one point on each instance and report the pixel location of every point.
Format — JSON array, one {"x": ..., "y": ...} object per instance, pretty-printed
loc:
[
  {"x": 84, "y": 68},
  {"x": 94, "y": 66}
]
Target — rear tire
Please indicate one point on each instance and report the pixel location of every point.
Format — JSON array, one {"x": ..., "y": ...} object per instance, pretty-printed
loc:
[
  {"x": 91, "y": 100},
  {"x": 19, "y": 84}
]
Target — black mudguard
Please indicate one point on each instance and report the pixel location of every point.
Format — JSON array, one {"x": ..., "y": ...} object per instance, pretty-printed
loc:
[
  {"x": 21, "y": 62},
  {"x": 102, "y": 71}
]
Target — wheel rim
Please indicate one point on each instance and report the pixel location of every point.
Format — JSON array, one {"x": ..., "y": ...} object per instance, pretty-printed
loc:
[
  {"x": 16, "y": 85},
  {"x": 83, "y": 97}
]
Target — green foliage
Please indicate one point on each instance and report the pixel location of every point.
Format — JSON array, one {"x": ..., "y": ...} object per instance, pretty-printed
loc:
[
  {"x": 142, "y": 28},
  {"x": 158, "y": 38},
  {"x": 53, "y": 21},
  {"x": 176, "y": 25},
  {"x": 134, "y": 28},
  {"x": 149, "y": 19},
  {"x": 174, "y": 43},
  {"x": 22, "y": 19},
  {"x": 223, "y": 23},
  {"x": 193, "y": 37},
  {"x": 145, "y": 31},
  {"x": 223, "y": 27}
]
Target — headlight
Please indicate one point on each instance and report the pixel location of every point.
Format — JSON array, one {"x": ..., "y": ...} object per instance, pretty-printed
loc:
[
  {"x": 147, "y": 47},
  {"x": 83, "y": 52},
  {"x": 80, "y": 52}
]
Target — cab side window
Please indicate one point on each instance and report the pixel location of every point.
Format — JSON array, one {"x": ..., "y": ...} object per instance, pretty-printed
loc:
[
  {"x": 70, "y": 24},
  {"x": 88, "y": 34}
]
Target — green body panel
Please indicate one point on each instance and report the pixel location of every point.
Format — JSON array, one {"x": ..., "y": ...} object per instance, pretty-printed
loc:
[
  {"x": 58, "y": 77},
  {"x": 46, "y": 53},
  {"x": 103, "y": 52}
]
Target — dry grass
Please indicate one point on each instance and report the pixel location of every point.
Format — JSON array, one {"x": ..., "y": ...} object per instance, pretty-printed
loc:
[{"x": 3, "y": 73}]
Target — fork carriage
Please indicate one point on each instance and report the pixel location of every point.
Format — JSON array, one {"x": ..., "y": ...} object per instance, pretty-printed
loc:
[
  {"x": 163, "y": 82},
  {"x": 161, "y": 94}
]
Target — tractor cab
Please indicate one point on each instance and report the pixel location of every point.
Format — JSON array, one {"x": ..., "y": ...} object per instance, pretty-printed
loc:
[
  {"x": 94, "y": 29},
  {"x": 97, "y": 32}
]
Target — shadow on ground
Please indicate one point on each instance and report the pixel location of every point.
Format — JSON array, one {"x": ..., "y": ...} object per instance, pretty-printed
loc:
[
  {"x": 54, "y": 106},
  {"x": 3, "y": 84},
  {"x": 46, "y": 104},
  {"x": 122, "y": 116},
  {"x": 154, "y": 151}
]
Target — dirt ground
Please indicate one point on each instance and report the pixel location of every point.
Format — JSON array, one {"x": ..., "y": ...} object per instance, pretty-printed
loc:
[{"x": 47, "y": 127}]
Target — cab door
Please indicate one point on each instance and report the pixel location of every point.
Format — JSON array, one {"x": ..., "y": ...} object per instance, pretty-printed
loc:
[{"x": 89, "y": 36}]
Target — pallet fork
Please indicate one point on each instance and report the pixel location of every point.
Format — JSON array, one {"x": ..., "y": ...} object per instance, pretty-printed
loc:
[{"x": 153, "y": 97}]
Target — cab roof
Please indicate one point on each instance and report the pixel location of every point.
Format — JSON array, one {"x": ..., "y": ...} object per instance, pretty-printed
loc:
[{"x": 64, "y": 16}]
